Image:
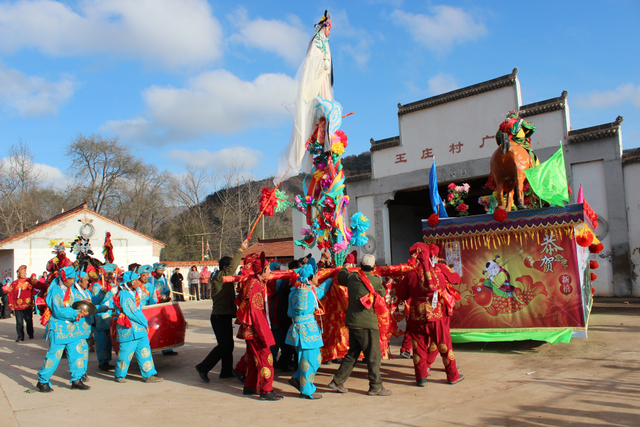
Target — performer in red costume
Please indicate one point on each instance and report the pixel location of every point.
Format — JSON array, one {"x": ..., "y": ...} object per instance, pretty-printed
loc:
[
  {"x": 429, "y": 287},
  {"x": 252, "y": 302},
  {"x": 21, "y": 297}
]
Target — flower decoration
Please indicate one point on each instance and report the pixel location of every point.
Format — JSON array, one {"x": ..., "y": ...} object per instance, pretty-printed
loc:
[
  {"x": 433, "y": 220},
  {"x": 359, "y": 225},
  {"x": 593, "y": 277},
  {"x": 500, "y": 215},
  {"x": 456, "y": 196},
  {"x": 593, "y": 265}
]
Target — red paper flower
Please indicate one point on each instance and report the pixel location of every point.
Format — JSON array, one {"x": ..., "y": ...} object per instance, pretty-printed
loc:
[
  {"x": 325, "y": 244},
  {"x": 462, "y": 207},
  {"x": 527, "y": 201},
  {"x": 593, "y": 265},
  {"x": 267, "y": 202},
  {"x": 451, "y": 186},
  {"x": 433, "y": 220},
  {"x": 584, "y": 239},
  {"x": 342, "y": 137},
  {"x": 593, "y": 277},
  {"x": 500, "y": 215}
]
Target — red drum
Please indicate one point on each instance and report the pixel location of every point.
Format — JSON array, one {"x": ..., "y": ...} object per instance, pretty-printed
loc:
[{"x": 167, "y": 326}]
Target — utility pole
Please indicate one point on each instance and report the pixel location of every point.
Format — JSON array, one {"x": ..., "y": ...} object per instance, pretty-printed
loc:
[{"x": 201, "y": 242}]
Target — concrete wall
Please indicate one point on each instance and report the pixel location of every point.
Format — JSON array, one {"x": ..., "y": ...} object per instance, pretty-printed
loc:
[
  {"x": 632, "y": 194},
  {"x": 35, "y": 249},
  {"x": 6, "y": 264},
  {"x": 592, "y": 177},
  {"x": 605, "y": 187}
]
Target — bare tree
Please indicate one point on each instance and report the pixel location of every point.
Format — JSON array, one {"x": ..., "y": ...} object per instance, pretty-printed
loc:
[
  {"x": 19, "y": 179},
  {"x": 98, "y": 165}
]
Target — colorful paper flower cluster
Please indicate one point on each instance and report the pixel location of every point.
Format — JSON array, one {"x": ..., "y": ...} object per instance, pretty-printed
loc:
[
  {"x": 456, "y": 196},
  {"x": 323, "y": 201}
]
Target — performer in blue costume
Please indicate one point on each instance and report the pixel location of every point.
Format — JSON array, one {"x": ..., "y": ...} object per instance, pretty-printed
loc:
[
  {"x": 102, "y": 293},
  {"x": 63, "y": 333},
  {"x": 304, "y": 334},
  {"x": 146, "y": 289},
  {"x": 80, "y": 292},
  {"x": 131, "y": 332}
]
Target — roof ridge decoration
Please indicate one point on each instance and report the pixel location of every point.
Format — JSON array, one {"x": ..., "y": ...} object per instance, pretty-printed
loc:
[
  {"x": 592, "y": 133},
  {"x": 507, "y": 80},
  {"x": 545, "y": 106}
]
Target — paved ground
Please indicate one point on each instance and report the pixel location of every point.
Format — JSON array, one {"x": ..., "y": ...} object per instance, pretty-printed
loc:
[{"x": 593, "y": 381}]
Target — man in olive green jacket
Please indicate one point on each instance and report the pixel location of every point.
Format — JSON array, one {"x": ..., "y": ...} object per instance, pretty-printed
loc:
[
  {"x": 224, "y": 310},
  {"x": 364, "y": 335}
]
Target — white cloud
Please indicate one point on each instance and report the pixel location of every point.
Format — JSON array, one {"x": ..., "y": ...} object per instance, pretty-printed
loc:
[
  {"x": 171, "y": 32},
  {"x": 440, "y": 30},
  {"x": 611, "y": 98},
  {"x": 241, "y": 157},
  {"x": 51, "y": 175},
  {"x": 442, "y": 83},
  {"x": 285, "y": 39},
  {"x": 213, "y": 102},
  {"x": 32, "y": 96}
]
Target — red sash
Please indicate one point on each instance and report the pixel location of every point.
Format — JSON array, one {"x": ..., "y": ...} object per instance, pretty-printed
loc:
[
  {"x": 372, "y": 298},
  {"x": 44, "y": 319}
]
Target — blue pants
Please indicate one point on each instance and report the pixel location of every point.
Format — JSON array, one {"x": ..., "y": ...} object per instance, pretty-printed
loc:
[
  {"x": 103, "y": 345},
  {"x": 308, "y": 364},
  {"x": 76, "y": 351},
  {"x": 141, "y": 349},
  {"x": 85, "y": 355}
]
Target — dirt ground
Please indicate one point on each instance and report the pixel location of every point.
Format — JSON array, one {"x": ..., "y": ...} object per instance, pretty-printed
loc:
[{"x": 594, "y": 381}]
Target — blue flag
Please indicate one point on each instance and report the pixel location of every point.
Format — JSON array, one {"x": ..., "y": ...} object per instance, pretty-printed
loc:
[{"x": 436, "y": 201}]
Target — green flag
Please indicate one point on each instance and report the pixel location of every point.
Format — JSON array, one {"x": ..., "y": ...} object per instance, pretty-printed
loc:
[{"x": 549, "y": 179}]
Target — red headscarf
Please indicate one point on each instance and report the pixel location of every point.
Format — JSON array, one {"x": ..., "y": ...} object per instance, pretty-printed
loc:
[{"x": 255, "y": 263}]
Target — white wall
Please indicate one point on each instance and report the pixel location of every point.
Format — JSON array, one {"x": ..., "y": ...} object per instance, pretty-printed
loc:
[
  {"x": 35, "y": 249},
  {"x": 632, "y": 196},
  {"x": 592, "y": 177},
  {"x": 551, "y": 128},
  {"x": 465, "y": 121}
]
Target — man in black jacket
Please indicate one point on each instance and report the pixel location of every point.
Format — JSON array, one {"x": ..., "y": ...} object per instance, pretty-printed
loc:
[
  {"x": 223, "y": 296},
  {"x": 176, "y": 282}
]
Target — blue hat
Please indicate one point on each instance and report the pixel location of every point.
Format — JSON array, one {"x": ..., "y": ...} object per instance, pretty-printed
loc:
[
  {"x": 130, "y": 276},
  {"x": 308, "y": 270},
  {"x": 275, "y": 265},
  {"x": 145, "y": 269},
  {"x": 67, "y": 273},
  {"x": 109, "y": 268},
  {"x": 81, "y": 275},
  {"x": 159, "y": 265}
]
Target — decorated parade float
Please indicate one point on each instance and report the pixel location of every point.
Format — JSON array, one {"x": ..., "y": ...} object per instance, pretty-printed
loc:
[{"x": 524, "y": 265}]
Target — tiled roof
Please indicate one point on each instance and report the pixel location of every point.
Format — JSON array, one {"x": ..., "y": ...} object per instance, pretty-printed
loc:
[
  {"x": 64, "y": 215},
  {"x": 381, "y": 144},
  {"x": 546, "y": 106},
  {"x": 359, "y": 177},
  {"x": 596, "y": 132},
  {"x": 631, "y": 156},
  {"x": 508, "y": 80},
  {"x": 273, "y": 248}
]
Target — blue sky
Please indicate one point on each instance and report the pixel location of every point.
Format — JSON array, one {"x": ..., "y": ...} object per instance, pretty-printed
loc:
[{"x": 202, "y": 82}]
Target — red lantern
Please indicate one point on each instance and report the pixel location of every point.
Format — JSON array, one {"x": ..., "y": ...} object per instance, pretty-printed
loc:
[{"x": 593, "y": 265}]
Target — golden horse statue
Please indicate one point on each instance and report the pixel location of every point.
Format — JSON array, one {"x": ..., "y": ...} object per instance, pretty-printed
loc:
[{"x": 508, "y": 163}]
